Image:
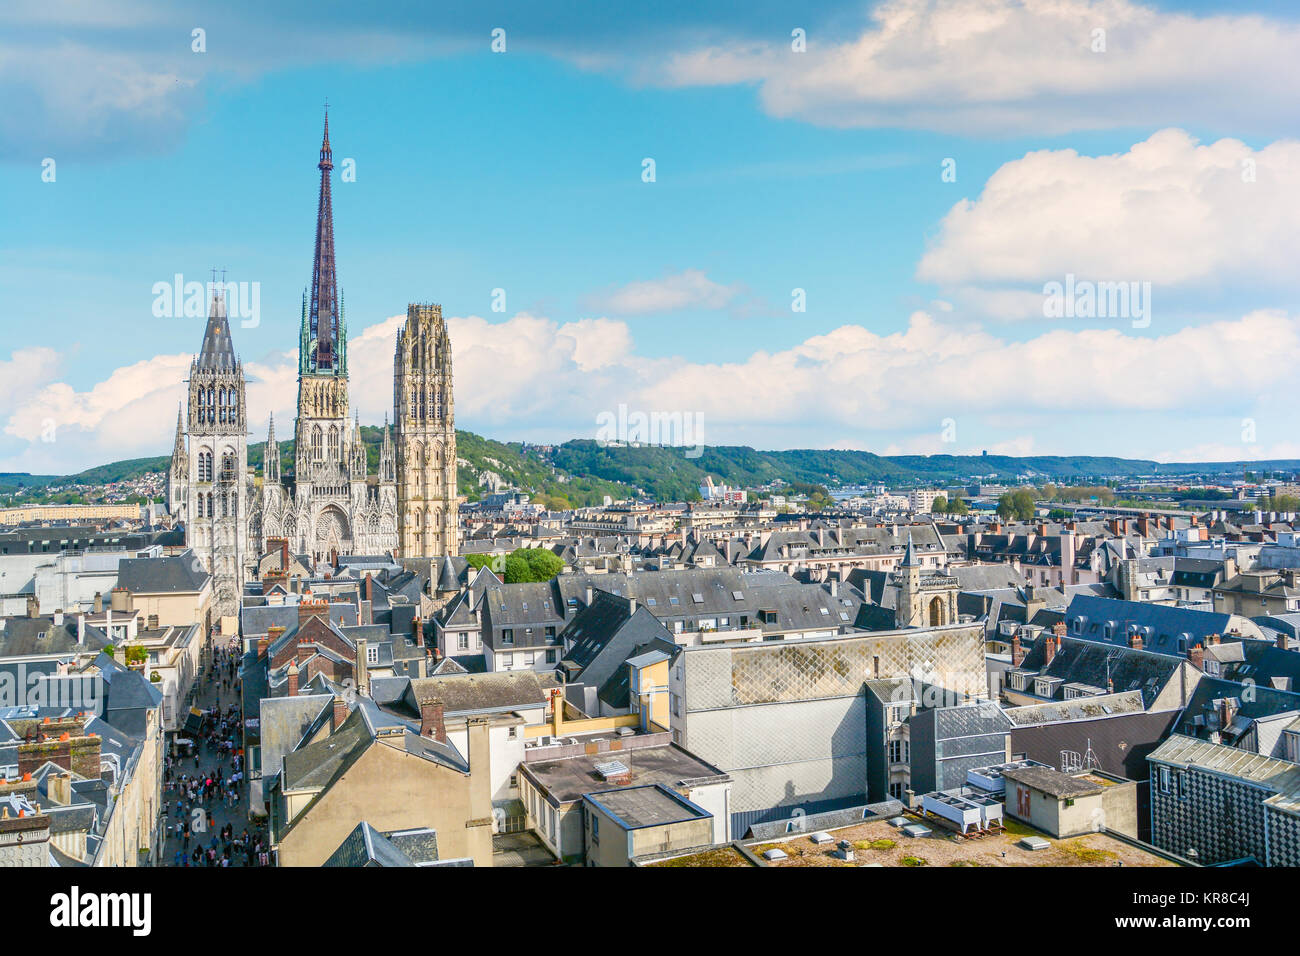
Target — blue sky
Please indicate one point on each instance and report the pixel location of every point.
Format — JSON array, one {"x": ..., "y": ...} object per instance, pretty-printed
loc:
[{"x": 775, "y": 171}]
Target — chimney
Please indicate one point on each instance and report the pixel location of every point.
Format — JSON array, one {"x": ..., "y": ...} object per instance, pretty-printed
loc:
[
  {"x": 1196, "y": 654},
  {"x": 432, "y": 723},
  {"x": 1283, "y": 643},
  {"x": 589, "y": 595},
  {"x": 835, "y": 587},
  {"x": 363, "y": 668},
  {"x": 631, "y": 606},
  {"x": 81, "y": 629},
  {"x": 33, "y": 606},
  {"x": 1059, "y": 630},
  {"x": 1227, "y": 710},
  {"x": 340, "y": 713},
  {"x": 293, "y": 679},
  {"x": 58, "y": 617},
  {"x": 1042, "y": 529},
  {"x": 120, "y": 599},
  {"x": 370, "y": 589},
  {"x": 60, "y": 788},
  {"x": 99, "y": 603},
  {"x": 1212, "y": 640},
  {"x": 1135, "y": 639},
  {"x": 308, "y": 609},
  {"x": 284, "y": 555},
  {"x": 1144, "y": 526},
  {"x": 1049, "y": 651},
  {"x": 1017, "y": 652},
  {"x": 262, "y": 644}
]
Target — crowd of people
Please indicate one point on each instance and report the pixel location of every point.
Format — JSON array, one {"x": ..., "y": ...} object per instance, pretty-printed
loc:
[{"x": 215, "y": 778}]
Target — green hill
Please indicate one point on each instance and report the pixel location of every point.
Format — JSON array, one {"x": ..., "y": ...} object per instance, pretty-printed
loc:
[{"x": 579, "y": 473}]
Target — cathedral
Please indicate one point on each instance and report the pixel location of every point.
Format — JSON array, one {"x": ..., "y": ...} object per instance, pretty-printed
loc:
[{"x": 331, "y": 504}]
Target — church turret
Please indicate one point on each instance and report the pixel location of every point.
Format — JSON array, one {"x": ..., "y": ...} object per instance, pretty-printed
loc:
[
  {"x": 271, "y": 455},
  {"x": 387, "y": 458},
  {"x": 178, "y": 473},
  {"x": 359, "y": 463}
]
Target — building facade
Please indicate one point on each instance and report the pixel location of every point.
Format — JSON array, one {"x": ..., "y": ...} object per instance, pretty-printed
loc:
[{"x": 426, "y": 435}]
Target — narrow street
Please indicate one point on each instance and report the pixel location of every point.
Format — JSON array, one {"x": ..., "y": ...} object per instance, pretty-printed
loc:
[{"x": 220, "y": 828}]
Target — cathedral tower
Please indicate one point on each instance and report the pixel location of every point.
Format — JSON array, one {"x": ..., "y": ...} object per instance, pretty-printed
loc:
[
  {"x": 209, "y": 480},
  {"x": 426, "y": 435},
  {"x": 330, "y": 505}
]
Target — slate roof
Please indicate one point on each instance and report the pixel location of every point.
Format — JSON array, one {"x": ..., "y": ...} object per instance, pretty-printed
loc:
[
  {"x": 35, "y": 636},
  {"x": 1090, "y": 662},
  {"x": 178, "y": 574},
  {"x": 1080, "y": 708},
  {"x": 1182, "y": 751},
  {"x": 1162, "y": 626},
  {"x": 603, "y": 637},
  {"x": 477, "y": 693}
]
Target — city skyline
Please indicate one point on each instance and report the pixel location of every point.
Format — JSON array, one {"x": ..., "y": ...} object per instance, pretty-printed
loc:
[{"x": 923, "y": 222}]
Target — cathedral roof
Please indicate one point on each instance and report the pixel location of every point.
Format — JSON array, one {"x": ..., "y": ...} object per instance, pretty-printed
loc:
[{"x": 218, "y": 351}]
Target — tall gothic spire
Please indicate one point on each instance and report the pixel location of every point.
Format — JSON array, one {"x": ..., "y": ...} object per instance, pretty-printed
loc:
[
  {"x": 324, "y": 316},
  {"x": 909, "y": 556},
  {"x": 271, "y": 455},
  {"x": 178, "y": 450}
]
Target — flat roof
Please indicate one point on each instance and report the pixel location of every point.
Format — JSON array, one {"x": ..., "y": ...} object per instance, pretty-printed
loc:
[
  {"x": 568, "y": 779},
  {"x": 1053, "y": 782},
  {"x": 648, "y": 806}
]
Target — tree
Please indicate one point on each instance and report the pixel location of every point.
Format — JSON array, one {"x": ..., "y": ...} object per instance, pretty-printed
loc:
[
  {"x": 525, "y": 565},
  {"x": 940, "y": 506},
  {"x": 958, "y": 507},
  {"x": 1017, "y": 504}
]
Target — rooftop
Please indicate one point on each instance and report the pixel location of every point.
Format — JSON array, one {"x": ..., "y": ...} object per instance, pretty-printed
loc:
[
  {"x": 647, "y": 806},
  {"x": 569, "y": 779},
  {"x": 876, "y": 843}
]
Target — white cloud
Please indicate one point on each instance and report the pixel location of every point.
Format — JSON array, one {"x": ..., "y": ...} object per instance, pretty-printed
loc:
[
  {"x": 690, "y": 289},
  {"x": 1168, "y": 211},
  {"x": 989, "y": 66},
  {"x": 530, "y": 376}
]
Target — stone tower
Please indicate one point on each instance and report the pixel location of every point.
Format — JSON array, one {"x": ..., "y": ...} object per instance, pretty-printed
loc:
[
  {"x": 210, "y": 478},
  {"x": 426, "y": 435},
  {"x": 908, "y": 575}
]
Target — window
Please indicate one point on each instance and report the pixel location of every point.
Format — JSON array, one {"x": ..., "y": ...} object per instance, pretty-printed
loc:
[
  {"x": 372, "y": 654},
  {"x": 508, "y": 636},
  {"x": 530, "y": 659},
  {"x": 462, "y": 642},
  {"x": 595, "y": 828},
  {"x": 507, "y": 661},
  {"x": 895, "y": 751},
  {"x": 550, "y": 657},
  {"x": 1164, "y": 779},
  {"x": 1182, "y": 785},
  {"x": 512, "y": 733}
]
